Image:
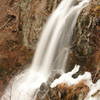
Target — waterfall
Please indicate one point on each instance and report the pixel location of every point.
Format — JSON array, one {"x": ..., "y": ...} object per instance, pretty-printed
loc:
[{"x": 51, "y": 53}]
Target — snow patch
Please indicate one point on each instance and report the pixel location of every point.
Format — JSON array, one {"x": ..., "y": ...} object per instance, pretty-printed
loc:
[{"x": 94, "y": 92}]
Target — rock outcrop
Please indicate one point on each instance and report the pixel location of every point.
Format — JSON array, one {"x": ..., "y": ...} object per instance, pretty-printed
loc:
[
  {"x": 85, "y": 47},
  {"x": 64, "y": 92}
]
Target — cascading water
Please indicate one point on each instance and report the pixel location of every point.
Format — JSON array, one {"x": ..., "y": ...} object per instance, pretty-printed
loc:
[{"x": 51, "y": 52}]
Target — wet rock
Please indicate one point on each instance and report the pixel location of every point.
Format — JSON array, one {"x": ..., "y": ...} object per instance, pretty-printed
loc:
[
  {"x": 54, "y": 75},
  {"x": 45, "y": 92},
  {"x": 65, "y": 92}
]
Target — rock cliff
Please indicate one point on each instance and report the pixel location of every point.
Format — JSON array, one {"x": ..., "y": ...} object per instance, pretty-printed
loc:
[
  {"x": 85, "y": 47},
  {"x": 21, "y": 23}
]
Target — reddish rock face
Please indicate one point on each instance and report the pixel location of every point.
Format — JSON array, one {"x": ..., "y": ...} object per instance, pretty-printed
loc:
[
  {"x": 64, "y": 92},
  {"x": 21, "y": 22},
  {"x": 13, "y": 54}
]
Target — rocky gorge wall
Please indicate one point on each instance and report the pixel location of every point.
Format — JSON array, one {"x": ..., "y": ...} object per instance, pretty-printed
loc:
[
  {"x": 21, "y": 22},
  {"x": 85, "y": 47}
]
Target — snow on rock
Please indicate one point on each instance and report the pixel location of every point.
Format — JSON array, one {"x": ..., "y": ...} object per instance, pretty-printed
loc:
[
  {"x": 67, "y": 78},
  {"x": 94, "y": 92}
]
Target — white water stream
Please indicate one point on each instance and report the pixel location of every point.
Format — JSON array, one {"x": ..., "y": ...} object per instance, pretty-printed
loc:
[{"x": 51, "y": 53}]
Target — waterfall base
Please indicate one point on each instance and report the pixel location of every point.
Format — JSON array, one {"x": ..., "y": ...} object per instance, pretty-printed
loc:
[{"x": 68, "y": 88}]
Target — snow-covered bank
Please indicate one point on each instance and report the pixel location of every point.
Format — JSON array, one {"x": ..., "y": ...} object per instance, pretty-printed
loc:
[{"x": 94, "y": 89}]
